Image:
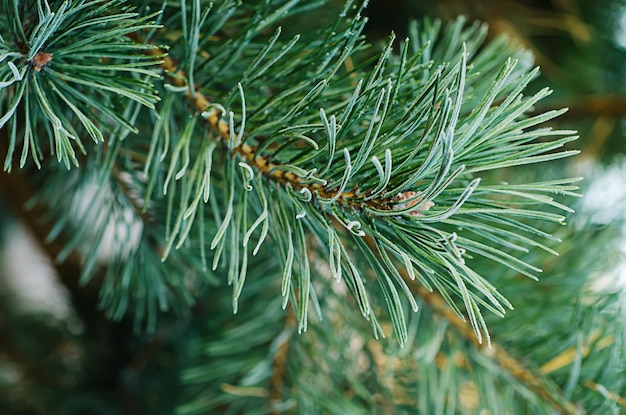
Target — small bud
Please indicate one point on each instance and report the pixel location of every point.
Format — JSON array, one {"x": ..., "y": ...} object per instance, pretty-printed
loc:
[
  {"x": 403, "y": 196},
  {"x": 40, "y": 60}
]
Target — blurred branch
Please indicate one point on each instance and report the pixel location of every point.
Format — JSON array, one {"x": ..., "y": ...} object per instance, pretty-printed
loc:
[
  {"x": 106, "y": 354},
  {"x": 280, "y": 360},
  {"x": 604, "y": 110},
  {"x": 598, "y": 136},
  {"x": 532, "y": 381},
  {"x": 18, "y": 191},
  {"x": 592, "y": 106},
  {"x": 31, "y": 373}
]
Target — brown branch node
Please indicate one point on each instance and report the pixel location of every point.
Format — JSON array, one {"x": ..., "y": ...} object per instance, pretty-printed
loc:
[{"x": 40, "y": 60}]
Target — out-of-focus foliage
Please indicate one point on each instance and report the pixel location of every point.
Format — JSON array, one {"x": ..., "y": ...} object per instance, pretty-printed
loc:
[{"x": 579, "y": 45}]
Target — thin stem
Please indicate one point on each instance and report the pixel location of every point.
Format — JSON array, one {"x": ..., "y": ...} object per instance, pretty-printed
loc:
[
  {"x": 349, "y": 198},
  {"x": 280, "y": 361}
]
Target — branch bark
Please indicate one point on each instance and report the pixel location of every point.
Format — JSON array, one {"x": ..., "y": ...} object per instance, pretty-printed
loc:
[{"x": 533, "y": 380}]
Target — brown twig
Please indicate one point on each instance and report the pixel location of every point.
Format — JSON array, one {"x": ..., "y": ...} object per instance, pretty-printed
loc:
[
  {"x": 533, "y": 381},
  {"x": 280, "y": 362},
  {"x": 539, "y": 385},
  {"x": 128, "y": 193}
]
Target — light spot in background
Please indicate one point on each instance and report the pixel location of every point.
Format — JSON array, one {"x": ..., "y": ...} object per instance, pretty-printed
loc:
[
  {"x": 604, "y": 203},
  {"x": 620, "y": 30},
  {"x": 29, "y": 279},
  {"x": 114, "y": 226},
  {"x": 605, "y": 198}
]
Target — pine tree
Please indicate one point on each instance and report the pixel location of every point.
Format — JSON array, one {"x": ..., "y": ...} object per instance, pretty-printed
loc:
[{"x": 260, "y": 212}]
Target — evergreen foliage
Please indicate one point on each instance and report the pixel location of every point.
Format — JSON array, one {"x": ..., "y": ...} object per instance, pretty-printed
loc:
[{"x": 181, "y": 147}]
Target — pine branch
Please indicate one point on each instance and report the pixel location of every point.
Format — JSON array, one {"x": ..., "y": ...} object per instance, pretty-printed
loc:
[
  {"x": 316, "y": 191},
  {"x": 583, "y": 337},
  {"x": 533, "y": 381},
  {"x": 380, "y": 162},
  {"x": 70, "y": 55},
  {"x": 376, "y": 198}
]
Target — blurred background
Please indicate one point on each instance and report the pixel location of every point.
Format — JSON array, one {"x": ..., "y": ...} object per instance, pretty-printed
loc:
[
  {"x": 579, "y": 45},
  {"x": 581, "y": 49}
]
